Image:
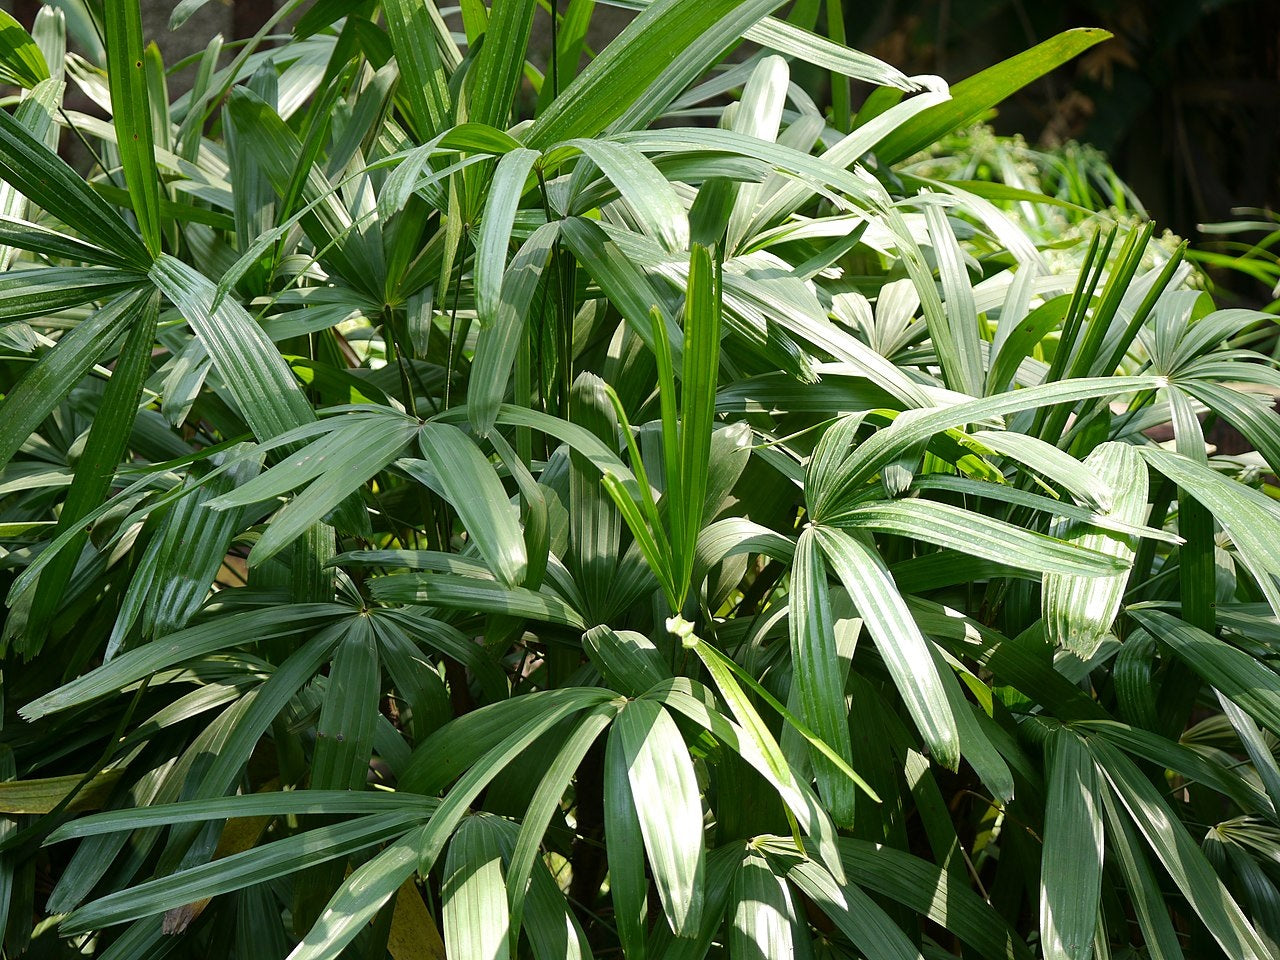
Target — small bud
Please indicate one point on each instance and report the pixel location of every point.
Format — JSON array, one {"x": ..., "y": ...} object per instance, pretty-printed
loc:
[{"x": 678, "y": 626}]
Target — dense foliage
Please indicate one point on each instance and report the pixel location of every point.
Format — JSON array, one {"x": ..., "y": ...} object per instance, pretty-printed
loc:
[{"x": 683, "y": 523}]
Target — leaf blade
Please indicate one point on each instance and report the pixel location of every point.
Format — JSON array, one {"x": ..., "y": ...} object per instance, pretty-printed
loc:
[
  {"x": 658, "y": 767},
  {"x": 901, "y": 644},
  {"x": 131, "y": 114},
  {"x": 1071, "y": 874}
]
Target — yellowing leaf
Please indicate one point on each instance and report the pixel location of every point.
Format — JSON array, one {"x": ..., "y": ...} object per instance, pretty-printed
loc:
[{"x": 414, "y": 935}]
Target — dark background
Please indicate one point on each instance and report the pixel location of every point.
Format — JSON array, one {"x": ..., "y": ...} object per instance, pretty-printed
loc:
[{"x": 1185, "y": 99}]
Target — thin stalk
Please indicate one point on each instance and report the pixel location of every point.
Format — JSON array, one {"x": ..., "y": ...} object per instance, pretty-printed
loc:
[
  {"x": 840, "y": 98},
  {"x": 562, "y": 271},
  {"x": 555, "y": 48},
  {"x": 84, "y": 142},
  {"x": 388, "y": 323},
  {"x": 453, "y": 323}
]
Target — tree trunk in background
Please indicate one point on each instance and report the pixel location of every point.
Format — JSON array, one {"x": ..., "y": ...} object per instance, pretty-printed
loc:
[
  {"x": 248, "y": 16},
  {"x": 24, "y": 11}
]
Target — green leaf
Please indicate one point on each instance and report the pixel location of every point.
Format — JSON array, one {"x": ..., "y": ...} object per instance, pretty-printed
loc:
[
  {"x": 505, "y": 190},
  {"x": 1248, "y": 517},
  {"x": 627, "y": 85},
  {"x": 255, "y": 714},
  {"x": 440, "y": 636},
  {"x": 759, "y": 736},
  {"x": 495, "y": 76},
  {"x": 722, "y": 864},
  {"x": 415, "y": 680},
  {"x": 479, "y": 138},
  {"x": 764, "y": 924},
  {"x": 668, "y": 807},
  {"x": 475, "y": 595},
  {"x": 937, "y": 894},
  {"x": 1251, "y": 414},
  {"x": 472, "y": 486},
  {"x": 725, "y": 206},
  {"x": 626, "y": 285},
  {"x": 1063, "y": 509},
  {"x": 819, "y": 672},
  {"x": 973, "y": 533},
  {"x": 792, "y": 194},
  {"x": 344, "y": 733},
  {"x": 35, "y": 112},
  {"x": 1246, "y": 681},
  {"x": 734, "y": 536},
  {"x": 552, "y": 710},
  {"x": 1078, "y": 611},
  {"x": 455, "y": 747},
  {"x": 1257, "y": 890},
  {"x": 37, "y": 239},
  {"x": 253, "y": 200},
  {"x": 360, "y": 897},
  {"x": 219, "y": 634},
  {"x": 855, "y": 914},
  {"x": 726, "y": 674},
  {"x": 240, "y": 870},
  {"x": 262, "y": 384},
  {"x": 974, "y": 96},
  {"x": 285, "y": 159},
  {"x": 45, "y": 291},
  {"x": 624, "y": 847},
  {"x": 1185, "y": 761},
  {"x": 595, "y": 525},
  {"x": 278, "y": 804},
  {"x": 498, "y": 344},
  {"x": 554, "y": 932},
  {"x": 354, "y": 455},
  {"x": 546, "y": 801},
  {"x": 573, "y": 27},
  {"x": 1071, "y": 868},
  {"x": 44, "y": 179},
  {"x": 907, "y": 431},
  {"x": 641, "y": 513},
  {"x": 1256, "y": 746},
  {"x": 473, "y": 893},
  {"x": 47, "y": 383},
  {"x": 1048, "y": 461},
  {"x": 902, "y": 646},
  {"x": 1179, "y": 854},
  {"x": 131, "y": 114},
  {"x": 956, "y": 340},
  {"x": 305, "y": 466},
  {"x": 699, "y": 376},
  {"x": 424, "y": 83},
  {"x": 659, "y": 210},
  {"x": 631, "y": 664},
  {"x": 786, "y": 37},
  {"x": 184, "y": 11},
  {"x": 21, "y": 62},
  {"x": 1020, "y": 343},
  {"x": 127, "y": 500},
  {"x": 1025, "y": 662},
  {"x": 96, "y": 469},
  {"x": 182, "y": 559},
  {"x": 1148, "y": 899}
]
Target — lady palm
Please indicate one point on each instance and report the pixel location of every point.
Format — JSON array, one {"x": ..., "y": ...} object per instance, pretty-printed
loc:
[{"x": 589, "y": 533}]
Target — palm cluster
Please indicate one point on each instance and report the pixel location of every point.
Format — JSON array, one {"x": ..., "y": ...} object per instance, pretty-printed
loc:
[{"x": 652, "y": 516}]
